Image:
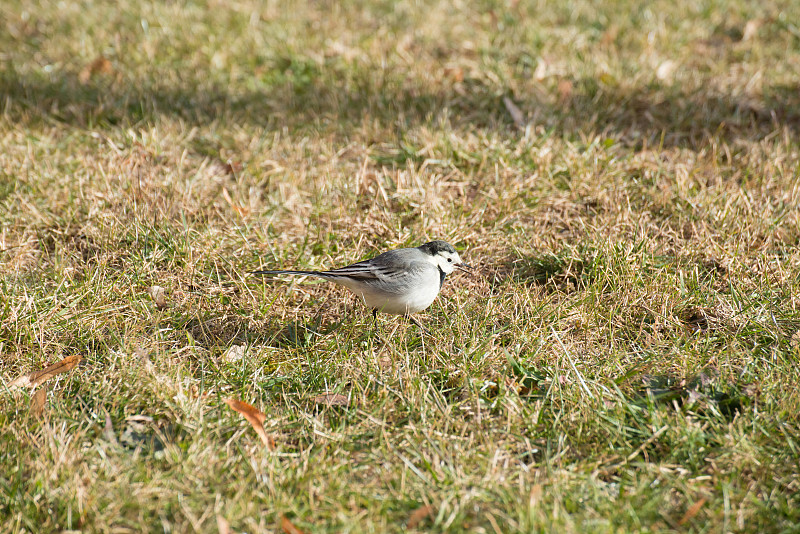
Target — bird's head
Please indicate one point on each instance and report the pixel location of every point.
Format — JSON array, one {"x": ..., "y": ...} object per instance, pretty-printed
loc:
[{"x": 444, "y": 256}]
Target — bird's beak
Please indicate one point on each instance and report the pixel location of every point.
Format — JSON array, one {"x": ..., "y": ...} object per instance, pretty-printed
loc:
[{"x": 464, "y": 267}]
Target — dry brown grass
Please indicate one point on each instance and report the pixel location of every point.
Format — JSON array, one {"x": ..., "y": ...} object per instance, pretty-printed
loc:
[{"x": 625, "y": 359}]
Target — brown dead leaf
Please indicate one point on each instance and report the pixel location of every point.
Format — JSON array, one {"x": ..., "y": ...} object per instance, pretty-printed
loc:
[
  {"x": 288, "y": 527},
  {"x": 100, "y": 65},
  {"x": 159, "y": 296},
  {"x": 520, "y": 389},
  {"x": 455, "y": 74},
  {"x": 692, "y": 511},
  {"x": 564, "y": 90},
  {"x": 256, "y": 418},
  {"x": 238, "y": 209},
  {"x": 38, "y": 401},
  {"x": 37, "y": 378},
  {"x": 235, "y": 353},
  {"x": 515, "y": 112},
  {"x": 331, "y": 399},
  {"x": 233, "y": 167},
  {"x": 418, "y": 515}
]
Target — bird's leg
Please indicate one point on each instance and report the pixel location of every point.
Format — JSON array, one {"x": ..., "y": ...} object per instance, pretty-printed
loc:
[
  {"x": 416, "y": 323},
  {"x": 375, "y": 325}
]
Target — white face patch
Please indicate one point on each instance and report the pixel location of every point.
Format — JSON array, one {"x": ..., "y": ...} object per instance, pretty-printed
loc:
[{"x": 447, "y": 261}]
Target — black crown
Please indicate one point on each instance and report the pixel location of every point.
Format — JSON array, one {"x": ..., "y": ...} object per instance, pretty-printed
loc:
[{"x": 435, "y": 247}]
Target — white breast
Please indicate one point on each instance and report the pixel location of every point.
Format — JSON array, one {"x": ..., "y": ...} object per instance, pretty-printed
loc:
[{"x": 417, "y": 298}]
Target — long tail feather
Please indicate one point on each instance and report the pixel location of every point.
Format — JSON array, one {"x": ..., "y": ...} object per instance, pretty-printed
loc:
[{"x": 305, "y": 273}]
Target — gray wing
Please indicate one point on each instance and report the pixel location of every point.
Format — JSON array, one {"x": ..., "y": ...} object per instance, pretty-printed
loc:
[{"x": 392, "y": 271}]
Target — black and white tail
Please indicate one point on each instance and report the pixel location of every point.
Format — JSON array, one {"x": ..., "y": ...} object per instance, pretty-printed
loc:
[
  {"x": 329, "y": 275},
  {"x": 357, "y": 271}
]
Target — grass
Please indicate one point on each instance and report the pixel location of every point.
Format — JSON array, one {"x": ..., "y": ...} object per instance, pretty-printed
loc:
[{"x": 624, "y": 360}]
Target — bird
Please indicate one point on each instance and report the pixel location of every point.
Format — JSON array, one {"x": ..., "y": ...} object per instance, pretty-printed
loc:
[{"x": 398, "y": 282}]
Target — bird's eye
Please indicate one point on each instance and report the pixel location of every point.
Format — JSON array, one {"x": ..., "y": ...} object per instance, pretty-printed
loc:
[{"x": 450, "y": 260}]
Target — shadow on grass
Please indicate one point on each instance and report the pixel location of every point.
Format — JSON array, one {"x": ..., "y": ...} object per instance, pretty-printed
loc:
[
  {"x": 568, "y": 269},
  {"x": 553, "y": 270},
  {"x": 650, "y": 114},
  {"x": 699, "y": 394},
  {"x": 222, "y": 331},
  {"x": 630, "y": 417}
]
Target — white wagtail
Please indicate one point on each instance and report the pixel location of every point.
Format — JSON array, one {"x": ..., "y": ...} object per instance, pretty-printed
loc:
[{"x": 400, "y": 282}]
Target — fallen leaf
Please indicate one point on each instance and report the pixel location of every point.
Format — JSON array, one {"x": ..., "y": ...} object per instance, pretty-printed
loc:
[
  {"x": 234, "y": 353},
  {"x": 233, "y": 167},
  {"x": 159, "y": 296},
  {"x": 515, "y": 112},
  {"x": 37, "y": 378},
  {"x": 223, "y": 527},
  {"x": 564, "y": 90},
  {"x": 516, "y": 387},
  {"x": 255, "y": 417},
  {"x": 418, "y": 515},
  {"x": 38, "y": 401},
  {"x": 692, "y": 511},
  {"x": 288, "y": 527},
  {"x": 100, "y": 65},
  {"x": 331, "y": 399},
  {"x": 238, "y": 209},
  {"x": 455, "y": 74}
]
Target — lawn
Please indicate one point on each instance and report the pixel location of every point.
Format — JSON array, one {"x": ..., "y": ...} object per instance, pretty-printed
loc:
[{"x": 624, "y": 176}]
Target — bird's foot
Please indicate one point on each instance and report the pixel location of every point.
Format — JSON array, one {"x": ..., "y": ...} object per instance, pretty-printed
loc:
[{"x": 418, "y": 325}]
